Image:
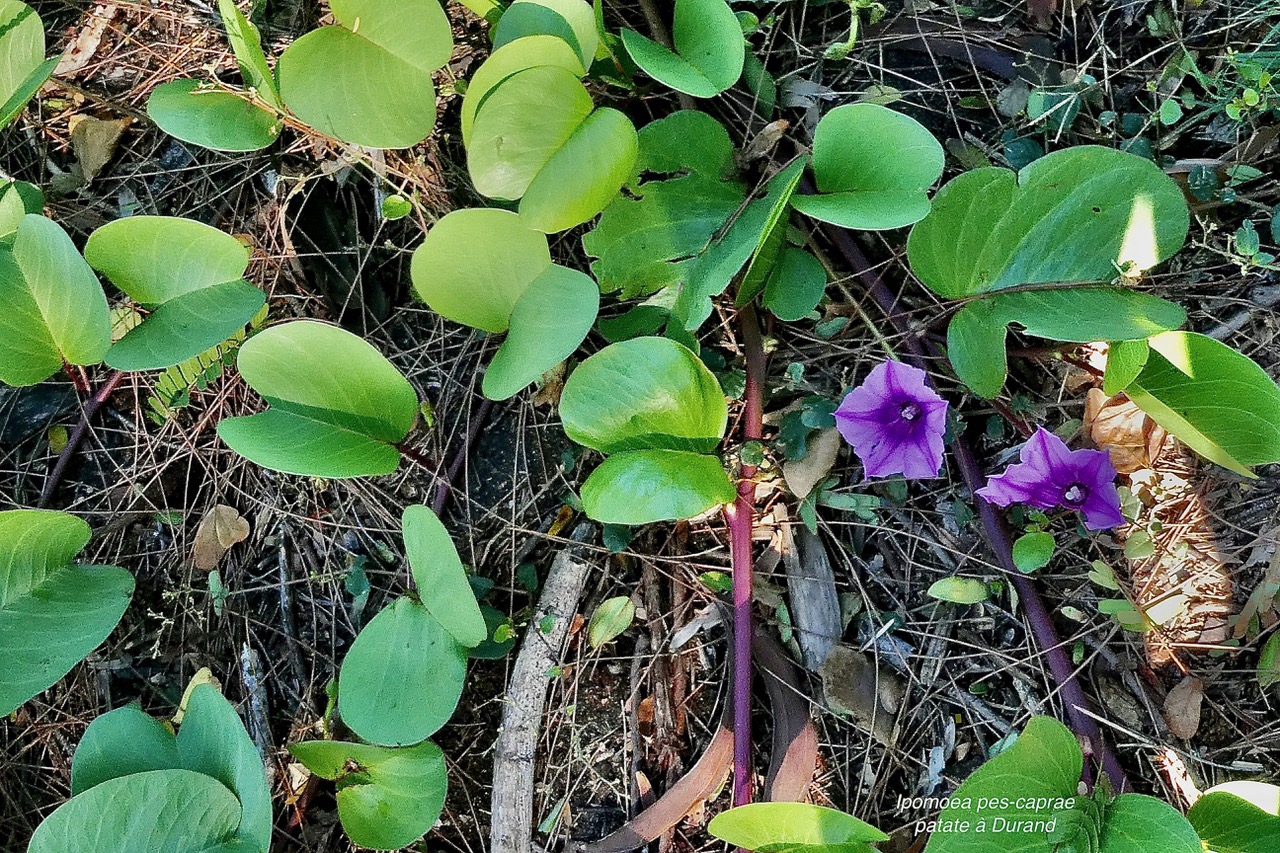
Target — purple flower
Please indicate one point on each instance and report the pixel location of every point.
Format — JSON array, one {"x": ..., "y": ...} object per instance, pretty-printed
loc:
[
  {"x": 894, "y": 421},
  {"x": 1050, "y": 475}
]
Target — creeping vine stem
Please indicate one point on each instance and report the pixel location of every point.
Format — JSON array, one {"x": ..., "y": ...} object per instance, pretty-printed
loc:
[{"x": 91, "y": 407}]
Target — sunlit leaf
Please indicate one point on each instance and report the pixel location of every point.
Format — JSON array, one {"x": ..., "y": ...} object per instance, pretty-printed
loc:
[
  {"x": 643, "y": 486},
  {"x": 794, "y": 826},
  {"x": 212, "y": 116}
]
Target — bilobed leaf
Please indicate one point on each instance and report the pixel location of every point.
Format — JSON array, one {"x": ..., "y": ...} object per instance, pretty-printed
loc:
[
  {"x": 475, "y": 264},
  {"x": 644, "y": 394},
  {"x": 367, "y": 79},
  {"x": 52, "y": 308},
  {"x": 212, "y": 116},
  {"x": 23, "y": 69},
  {"x": 527, "y": 52},
  {"x": 873, "y": 168},
  {"x": 187, "y": 274},
  {"x": 610, "y": 618},
  {"x": 550, "y": 320},
  {"x": 391, "y": 799},
  {"x": 1215, "y": 400},
  {"x": 52, "y": 612},
  {"x": 643, "y": 486},
  {"x": 1238, "y": 817},
  {"x": 441, "y": 580},
  {"x": 571, "y": 20},
  {"x": 402, "y": 677},
  {"x": 338, "y": 407},
  {"x": 1078, "y": 215},
  {"x": 159, "y": 811},
  {"x": 797, "y": 826},
  {"x": 976, "y": 335},
  {"x": 709, "y": 49}
]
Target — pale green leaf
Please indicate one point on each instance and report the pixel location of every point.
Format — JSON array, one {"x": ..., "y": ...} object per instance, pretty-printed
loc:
[
  {"x": 1239, "y": 817},
  {"x": 959, "y": 590},
  {"x": 1133, "y": 820},
  {"x": 212, "y": 116},
  {"x": 1033, "y": 551},
  {"x": 246, "y": 44},
  {"x": 21, "y": 56},
  {"x": 521, "y": 54},
  {"x": 643, "y": 486},
  {"x": 120, "y": 743},
  {"x": 761, "y": 826},
  {"x": 1125, "y": 360},
  {"x": 525, "y": 18},
  {"x": 441, "y": 580},
  {"x": 610, "y": 618}
]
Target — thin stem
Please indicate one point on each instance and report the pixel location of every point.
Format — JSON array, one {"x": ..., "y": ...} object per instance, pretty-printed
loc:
[
  {"x": 739, "y": 515},
  {"x": 91, "y": 407},
  {"x": 996, "y": 532},
  {"x": 446, "y": 477}
]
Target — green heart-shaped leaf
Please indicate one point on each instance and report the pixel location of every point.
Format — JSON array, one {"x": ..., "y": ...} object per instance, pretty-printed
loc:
[
  {"x": 212, "y": 116},
  {"x": 976, "y": 336},
  {"x": 1075, "y": 216},
  {"x": 159, "y": 811},
  {"x": 527, "y": 52},
  {"x": 52, "y": 308},
  {"x": 52, "y": 612},
  {"x": 338, "y": 407},
  {"x": 643, "y": 486},
  {"x": 391, "y": 798},
  {"x": 402, "y": 678},
  {"x": 441, "y": 580},
  {"x": 572, "y": 21},
  {"x": 709, "y": 49},
  {"x": 187, "y": 273},
  {"x": 644, "y": 394},
  {"x": 1238, "y": 817},
  {"x": 797, "y": 826},
  {"x": 367, "y": 80},
  {"x": 552, "y": 317},
  {"x": 1215, "y": 400},
  {"x": 873, "y": 168}
]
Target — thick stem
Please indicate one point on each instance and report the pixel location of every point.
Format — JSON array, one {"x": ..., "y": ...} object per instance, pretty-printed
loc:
[
  {"x": 91, "y": 407},
  {"x": 739, "y": 516},
  {"x": 995, "y": 530}
]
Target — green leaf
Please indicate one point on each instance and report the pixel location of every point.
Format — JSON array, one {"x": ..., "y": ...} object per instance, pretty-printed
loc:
[
  {"x": 773, "y": 238},
  {"x": 17, "y": 199},
  {"x": 212, "y": 116},
  {"x": 611, "y": 617},
  {"x": 1076, "y": 215},
  {"x": 537, "y": 138},
  {"x": 959, "y": 590},
  {"x": 402, "y": 677},
  {"x": 52, "y": 612},
  {"x": 573, "y": 21},
  {"x": 1132, "y": 820},
  {"x": 1269, "y": 663},
  {"x": 1043, "y": 763},
  {"x": 643, "y": 486},
  {"x": 1238, "y": 817},
  {"x": 187, "y": 273},
  {"x": 52, "y": 308},
  {"x": 550, "y": 320},
  {"x": 246, "y": 44},
  {"x": 120, "y": 743},
  {"x": 475, "y": 264},
  {"x": 1213, "y": 399},
  {"x": 1079, "y": 314},
  {"x": 516, "y": 56},
  {"x": 391, "y": 799},
  {"x": 1033, "y": 551},
  {"x": 159, "y": 811},
  {"x": 796, "y": 285},
  {"x": 212, "y": 740},
  {"x": 793, "y": 826},
  {"x": 338, "y": 407},
  {"x": 644, "y": 394},
  {"x": 873, "y": 168},
  {"x": 367, "y": 80},
  {"x": 645, "y": 244},
  {"x": 709, "y": 49},
  {"x": 1125, "y": 360},
  {"x": 442, "y": 582},
  {"x": 23, "y": 70}
]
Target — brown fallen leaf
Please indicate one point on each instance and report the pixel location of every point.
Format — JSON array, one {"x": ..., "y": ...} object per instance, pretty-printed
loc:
[
  {"x": 853, "y": 684},
  {"x": 1182, "y": 707},
  {"x": 802, "y": 475},
  {"x": 220, "y": 528},
  {"x": 1119, "y": 427},
  {"x": 94, "y": 142}
]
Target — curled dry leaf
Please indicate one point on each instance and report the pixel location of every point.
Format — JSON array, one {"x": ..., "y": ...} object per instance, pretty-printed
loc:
[
  {"x": 220, "y": 528},
  {"x": 1118, "y": 426},
  {"x": 1182, "y": 707}
]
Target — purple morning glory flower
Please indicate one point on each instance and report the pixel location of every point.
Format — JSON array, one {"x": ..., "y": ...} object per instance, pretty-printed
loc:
[
  {"x": 1051, "y": 475},
  {"x": 894, "y": 421}
]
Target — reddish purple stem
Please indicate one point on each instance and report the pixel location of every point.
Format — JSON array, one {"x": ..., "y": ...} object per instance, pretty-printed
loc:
[{"x": 91, "y": 407}]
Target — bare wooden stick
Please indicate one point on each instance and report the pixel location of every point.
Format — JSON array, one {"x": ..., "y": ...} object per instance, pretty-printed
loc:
[{"x": 522, "y": 707}]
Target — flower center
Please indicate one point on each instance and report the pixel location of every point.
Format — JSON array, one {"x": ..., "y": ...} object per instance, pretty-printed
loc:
[
  {"x": 1075, "y": 494},
  {"x": 909, "y": 411}
]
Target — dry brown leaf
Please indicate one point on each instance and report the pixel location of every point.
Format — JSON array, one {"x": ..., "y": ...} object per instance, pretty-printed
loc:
[
  {"x": 81, "y": 50},
  {"x": 94, "y": 142},
  {"x": 1182, "y": 707},
  {"x": 220, "y": 528},
  {"x": 853, "y": 684},
  {"x": 802, "y": 475},
  {"x": 1118, "y": 426}
]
